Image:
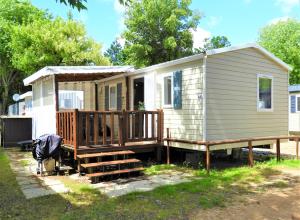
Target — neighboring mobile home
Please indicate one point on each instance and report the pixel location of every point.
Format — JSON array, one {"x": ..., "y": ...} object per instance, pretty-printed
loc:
[
  {"x": 228, "y": 93},
  {"x": 294, "y": 116}
]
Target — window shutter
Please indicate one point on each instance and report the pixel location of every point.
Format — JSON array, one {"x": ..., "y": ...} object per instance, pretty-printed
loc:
[
  {"x": 293, "y": 104},
  {"x": 119, "y": 96},
  {"x": 106, "y": 103},
  {"x": 177, "y": 89}
]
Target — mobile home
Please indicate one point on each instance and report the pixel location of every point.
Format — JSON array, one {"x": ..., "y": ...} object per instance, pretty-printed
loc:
[{"x": 229, "y": 93}]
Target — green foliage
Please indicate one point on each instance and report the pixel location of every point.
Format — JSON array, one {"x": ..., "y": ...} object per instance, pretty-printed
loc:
[
  {"x": 79, "y": 4},
  {"x": 115, "y": 53},
  {"x": 282, "y": 39},
  {"x": 53, "y": 42},
  {"x": 217, "y": 42},
  {"x": 31, "y": 39},
  {"x": 158, "y": 31}
]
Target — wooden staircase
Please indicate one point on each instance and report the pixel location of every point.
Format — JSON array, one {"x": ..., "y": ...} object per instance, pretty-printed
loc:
[{"x": 103, "y": 164}]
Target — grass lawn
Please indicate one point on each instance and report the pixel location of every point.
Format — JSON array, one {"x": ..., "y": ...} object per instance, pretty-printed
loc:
[{"x": 168, "y": 202}]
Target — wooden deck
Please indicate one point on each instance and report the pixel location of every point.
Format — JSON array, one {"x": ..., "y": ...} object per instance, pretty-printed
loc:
[
  {"x": 137, "y": 147},
  {"x": 100, "y": 131}
]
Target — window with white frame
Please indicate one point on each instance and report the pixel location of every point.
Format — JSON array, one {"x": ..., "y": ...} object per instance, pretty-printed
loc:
[
  {"x": 113, "y": 97},
  {"x": 265, "y": 93},
  {"x": 167, "y": 91}
]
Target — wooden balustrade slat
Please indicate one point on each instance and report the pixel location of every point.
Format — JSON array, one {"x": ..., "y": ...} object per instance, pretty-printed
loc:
[
  {"x": 140, "y": 124},
  {"x": 104, "y": 128},
  {"x": 146, "y": 125},
  {"x": 133, "y": 125},
  {"x": 80, "y": 128},
  {"x": 96, "y": 128},
  {"x": 87, "y": 129},
  {"x": 152, "y": 124},
  {"x": 112, "y": 127},
  {"x": 68, "y": 127}
]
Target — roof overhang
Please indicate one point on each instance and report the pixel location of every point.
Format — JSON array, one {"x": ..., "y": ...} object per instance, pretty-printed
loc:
[
  {"x": 26, "y": 94},
  {"x": 294, "y": 88},
  {"x": 77, "y": 73},
  {"x": 215, "y": 52}
]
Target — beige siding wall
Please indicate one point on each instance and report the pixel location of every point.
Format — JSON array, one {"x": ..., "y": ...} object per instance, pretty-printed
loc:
[
  {"x": 294, "y": 118},
  {"x": 232, "y": 96},
  {"x": 187, "y": 122},
  {"x": 88, "y": 89},
  {"x": 101, "y": 92}
]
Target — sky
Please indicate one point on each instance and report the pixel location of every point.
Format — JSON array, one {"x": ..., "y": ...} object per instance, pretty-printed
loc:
[{"x": 239, "y": 20}]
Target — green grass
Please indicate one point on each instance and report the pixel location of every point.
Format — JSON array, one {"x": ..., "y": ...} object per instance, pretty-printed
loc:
[{"x": 167, "y": 202}]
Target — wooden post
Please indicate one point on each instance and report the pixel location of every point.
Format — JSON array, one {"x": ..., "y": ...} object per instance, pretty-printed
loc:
[
  {"x": 297, "y": 148},
  {"x": 56, "y": 94},
  {"x": 96, "y": 97},
  {"x": 104, "y": 128},
  {"x": 127, "y": 93},
  {"x": 75, "y": 135},
  {"x": 87, "y": 128},
  {"x": 250, "y": 154},
  {"x": 161, "y": 126},
  {"x": 278, "y": 149},
  {"x": 207, "y": 159},
  {"x": 168, "y": 146}
]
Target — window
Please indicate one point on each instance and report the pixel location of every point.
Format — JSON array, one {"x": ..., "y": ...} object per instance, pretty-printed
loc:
[
  {"x": 167, "y": 96},
  {"x": 71, "y": 99},
  {"x": 47, "y": 90},
  {"x": 265, "y": 93},
  {"x": 298, "y": 103},
  {"x": 112, "y": 97}
]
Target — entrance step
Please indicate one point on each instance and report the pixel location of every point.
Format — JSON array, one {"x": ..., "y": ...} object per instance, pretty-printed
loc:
[
  {"x": 113, "y": 162},
  {"x": 100, "y": 174},
  {"x": 105, "y": 154}
]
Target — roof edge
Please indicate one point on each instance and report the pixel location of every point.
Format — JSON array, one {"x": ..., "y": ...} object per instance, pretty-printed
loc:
[{"x": 214, "y": 52}]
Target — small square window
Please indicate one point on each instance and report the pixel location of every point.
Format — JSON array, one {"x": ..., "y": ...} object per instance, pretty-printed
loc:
[
  {"x": 265, "y": 98},
  {"x": 168, "y": 91}
]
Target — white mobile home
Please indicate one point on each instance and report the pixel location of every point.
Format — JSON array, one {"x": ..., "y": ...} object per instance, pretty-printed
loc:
[
  {"x": 294, "y": 116},
  {"x": 228, "y": 93}
]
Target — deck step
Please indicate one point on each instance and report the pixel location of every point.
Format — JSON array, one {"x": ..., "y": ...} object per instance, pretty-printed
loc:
[
  {"x": 114, "y": 172},
  {"x": 103, "y": 154},
  {"x": 114, "y": 162}
]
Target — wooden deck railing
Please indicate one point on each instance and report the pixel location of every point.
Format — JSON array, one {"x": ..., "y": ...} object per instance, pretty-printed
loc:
[
  {"x": 78, "y": 128},
  {"x": 248, "y": 142}
]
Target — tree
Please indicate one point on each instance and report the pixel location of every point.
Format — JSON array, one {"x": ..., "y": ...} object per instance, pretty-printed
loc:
[
  {"x": 53, "y": 42},
  {"x": 12, "y": 13},
  {"x": 31, "y": 39},
  {"x": 217, "y": 42},
  {"x": 213, "y": 43},
  {"x": 282, "y": 39},
  {"x": 158, "y": 31},
  {"x": 115, "y": 53}
]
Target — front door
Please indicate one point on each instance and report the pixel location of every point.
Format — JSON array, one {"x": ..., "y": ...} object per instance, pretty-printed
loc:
[{"x": 138, "y": 93}]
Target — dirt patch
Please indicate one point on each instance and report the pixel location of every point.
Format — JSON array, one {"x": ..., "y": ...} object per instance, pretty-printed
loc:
[{"x": 273, "y": 201}]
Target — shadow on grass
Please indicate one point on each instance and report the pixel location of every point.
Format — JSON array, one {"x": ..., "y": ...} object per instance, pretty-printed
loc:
[{"x": 166, "y": 202}]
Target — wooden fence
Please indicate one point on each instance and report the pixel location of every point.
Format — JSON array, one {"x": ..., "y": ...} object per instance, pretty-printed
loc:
[
  {"x": 248, "y": 142},
  {"x": 78, "y": 128}
]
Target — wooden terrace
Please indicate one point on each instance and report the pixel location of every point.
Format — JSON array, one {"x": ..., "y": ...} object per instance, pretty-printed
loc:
[{"x": 99, "y": 131}]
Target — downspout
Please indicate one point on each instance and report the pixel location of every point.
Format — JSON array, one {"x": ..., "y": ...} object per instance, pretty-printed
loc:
[{"x": 204, "y": 138}]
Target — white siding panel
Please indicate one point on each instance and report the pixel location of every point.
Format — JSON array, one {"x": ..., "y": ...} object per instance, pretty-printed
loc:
[
  {"x": 232, "y": 96},
  {"x": 185, "y": 123}
]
